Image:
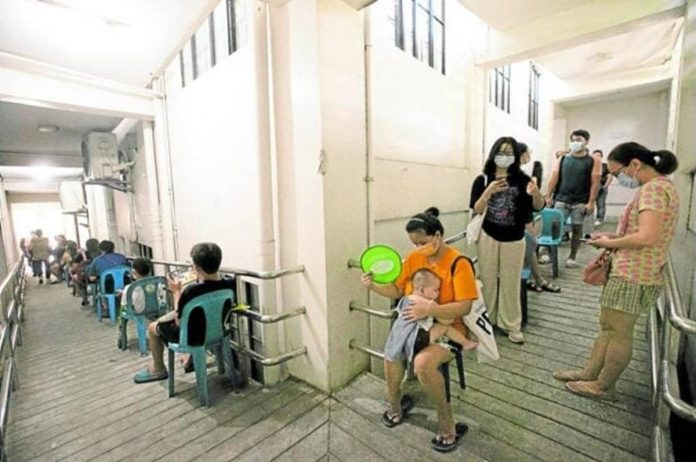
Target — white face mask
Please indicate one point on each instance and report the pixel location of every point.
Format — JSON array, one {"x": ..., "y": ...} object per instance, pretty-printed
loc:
[
  {"x": 503, "y": 161},
  {"x": 627, "y": 181},
  {"x": 575, "y": 146}
]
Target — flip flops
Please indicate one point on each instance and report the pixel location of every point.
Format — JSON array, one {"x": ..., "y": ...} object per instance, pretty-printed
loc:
[
  {"x": 145, "y": 376},
  {"x": 393, "y": 420},
  {"x": 439, "y": 445},
  {"x": 549, "y": 287}
]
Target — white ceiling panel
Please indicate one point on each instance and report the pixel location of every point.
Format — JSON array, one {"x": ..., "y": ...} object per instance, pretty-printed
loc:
[{"x": 122, "y": 40}]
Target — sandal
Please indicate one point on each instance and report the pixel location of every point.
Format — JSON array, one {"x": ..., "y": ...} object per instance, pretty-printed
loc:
[
  {"x": 392, "y": 420},
  {"x": 548, "y": 287},
  {"x": 440, "y": 445},
  {"x": 531, "y": 285},
  {"x": 583, "y": 388},
  {"x": 145, "y": 376}
]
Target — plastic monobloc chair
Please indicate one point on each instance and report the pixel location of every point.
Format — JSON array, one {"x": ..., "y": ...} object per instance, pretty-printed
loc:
[
  {"x": 120, "y": 275},
  {"x": 155, "y": 307}
]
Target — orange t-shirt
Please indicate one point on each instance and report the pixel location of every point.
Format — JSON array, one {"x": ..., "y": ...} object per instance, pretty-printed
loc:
[{"x": 453, "y": 288}]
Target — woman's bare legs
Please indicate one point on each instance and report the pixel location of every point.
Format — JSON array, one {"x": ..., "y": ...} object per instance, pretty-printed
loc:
[
  {"x": 394, "y": 374},
  {"x": 426, "y": 366}
]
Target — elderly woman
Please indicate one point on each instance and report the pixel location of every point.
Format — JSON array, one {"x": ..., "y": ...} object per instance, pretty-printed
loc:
[
  {"x": 457, "y": 291},
  {"x": 640, "y": 249}
]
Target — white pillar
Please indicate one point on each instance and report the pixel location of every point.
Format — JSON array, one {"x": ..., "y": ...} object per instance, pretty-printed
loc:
[{"x": 152, "y": 189}]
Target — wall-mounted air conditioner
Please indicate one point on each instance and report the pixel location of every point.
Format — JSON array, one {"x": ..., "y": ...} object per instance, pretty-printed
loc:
[{"x": 100, "y": 155}]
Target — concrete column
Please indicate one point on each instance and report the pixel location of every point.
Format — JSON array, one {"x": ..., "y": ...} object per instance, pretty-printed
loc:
[
  {"x": 152, "y": 189},
  {"x": 8, "y": 237}
]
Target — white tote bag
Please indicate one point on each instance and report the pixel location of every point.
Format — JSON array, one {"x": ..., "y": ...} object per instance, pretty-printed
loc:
[
  {"x": 478, "y": 323},
  {"x": 473, "y": 229}
]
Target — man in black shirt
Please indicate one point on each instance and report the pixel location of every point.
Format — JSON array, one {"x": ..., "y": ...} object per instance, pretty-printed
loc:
[
  {"x": 206, "y": 257},
  {"x": 604, "y": 183}
]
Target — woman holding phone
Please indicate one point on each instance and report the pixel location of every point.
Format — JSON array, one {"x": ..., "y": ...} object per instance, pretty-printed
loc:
[{"x": 506, "y": 197}]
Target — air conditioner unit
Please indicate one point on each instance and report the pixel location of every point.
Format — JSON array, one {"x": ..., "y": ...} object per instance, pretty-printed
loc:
[{"x": 99, "y": 155}]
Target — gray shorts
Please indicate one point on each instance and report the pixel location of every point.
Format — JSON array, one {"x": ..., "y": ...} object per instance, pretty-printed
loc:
[{"x": 575, "y": 211}]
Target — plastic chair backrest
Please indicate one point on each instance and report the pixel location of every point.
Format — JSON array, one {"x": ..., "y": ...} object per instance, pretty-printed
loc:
[
  {"x": 119, "y": 274},
  {"x": 212, "y": 304},
  {"x": 552, "y": 224},
  {"x": 152, "y": 287}
]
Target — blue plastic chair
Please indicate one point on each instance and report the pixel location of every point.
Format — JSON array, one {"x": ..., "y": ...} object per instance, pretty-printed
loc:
[
  {"x": 120, "y": 276},
  {"x": 155, "y": 307},
  {"x": 216, "y": 338},
  {"x": 551, "y": 234}
]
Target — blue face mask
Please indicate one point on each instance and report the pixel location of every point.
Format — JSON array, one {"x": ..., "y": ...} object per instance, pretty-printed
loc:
[{"x": 627, "y": 181}]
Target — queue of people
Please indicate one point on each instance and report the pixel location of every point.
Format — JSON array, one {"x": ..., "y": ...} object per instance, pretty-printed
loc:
[{"x": 435, "y": 294}]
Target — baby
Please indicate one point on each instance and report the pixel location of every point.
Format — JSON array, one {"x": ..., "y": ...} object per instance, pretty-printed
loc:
[{"x": 426, "y": 286}]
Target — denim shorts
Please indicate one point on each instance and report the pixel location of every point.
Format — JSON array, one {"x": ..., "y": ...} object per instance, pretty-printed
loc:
[{"x": 575, "y": 211}]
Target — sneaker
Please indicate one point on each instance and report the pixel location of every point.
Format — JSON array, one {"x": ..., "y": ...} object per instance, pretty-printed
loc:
[
  {"x": 544, "y": 259},
  {"x": 516, "y": 337},
  {"x": 570, "y": 263},
  {"x": 598, "y": 223}
]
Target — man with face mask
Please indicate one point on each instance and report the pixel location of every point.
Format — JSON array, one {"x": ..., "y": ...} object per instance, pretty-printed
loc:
[{"x": 574, "y": 185}]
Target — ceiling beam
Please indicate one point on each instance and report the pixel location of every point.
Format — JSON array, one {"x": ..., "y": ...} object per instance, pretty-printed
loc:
[
  {"x": 615, "y": 83},
  {"x": 17, "y": 158},
  {"x": 34, "y": 83},
  {"x": 585, "y": 23}
]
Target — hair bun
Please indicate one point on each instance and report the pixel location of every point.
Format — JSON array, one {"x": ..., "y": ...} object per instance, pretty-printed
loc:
[{"x": 432, "y": 211}]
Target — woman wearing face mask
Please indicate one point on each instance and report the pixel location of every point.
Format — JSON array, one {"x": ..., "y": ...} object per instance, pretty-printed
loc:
[
  {"x": 457, "y": 292},
  {"x": 507, "y": 196},
  {"x": 641, "y": 246}
]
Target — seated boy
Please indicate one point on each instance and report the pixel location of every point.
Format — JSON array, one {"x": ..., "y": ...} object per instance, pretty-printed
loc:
[
  {"x": 141, "y": 268},
  {"x": 404, "y": 339},
  {"x": 426, "y": 285}
]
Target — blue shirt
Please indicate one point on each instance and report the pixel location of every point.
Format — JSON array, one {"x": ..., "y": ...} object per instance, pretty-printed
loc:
[{"x": 104, "y": 262}]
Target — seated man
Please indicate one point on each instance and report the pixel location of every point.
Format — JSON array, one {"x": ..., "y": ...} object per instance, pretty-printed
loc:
[
  {"x": 206, "y": 258},
  {"x": 108, "y": 259}
]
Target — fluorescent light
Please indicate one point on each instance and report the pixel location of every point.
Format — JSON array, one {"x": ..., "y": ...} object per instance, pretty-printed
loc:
[{"x": 45, "y": 128}]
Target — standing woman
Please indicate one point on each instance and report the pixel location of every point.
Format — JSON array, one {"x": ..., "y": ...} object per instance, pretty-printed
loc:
[
  {"x": 457, "y": 292},
  {"x": 507, "y": 197},
  {"x": 641, "y": 248}
]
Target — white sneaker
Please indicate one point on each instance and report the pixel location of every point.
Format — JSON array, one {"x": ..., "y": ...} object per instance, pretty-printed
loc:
[
  {"x": 570, "y": 263},
  {"x": 544, "y": 259},
  {"x": 516, "y": 337},
  {"x": 598, "y": 223}
]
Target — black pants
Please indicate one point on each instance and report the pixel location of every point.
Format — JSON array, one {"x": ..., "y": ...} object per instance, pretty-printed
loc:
[{"x": 36, "y": 267}]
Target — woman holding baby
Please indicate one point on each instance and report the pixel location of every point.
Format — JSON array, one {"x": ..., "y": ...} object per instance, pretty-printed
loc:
[{"x": 456, "y": 294}]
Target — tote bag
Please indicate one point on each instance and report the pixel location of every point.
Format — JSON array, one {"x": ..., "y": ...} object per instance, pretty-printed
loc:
[
  {"x": 480, "y": 325},
  {"x": 473, "y": 229}
]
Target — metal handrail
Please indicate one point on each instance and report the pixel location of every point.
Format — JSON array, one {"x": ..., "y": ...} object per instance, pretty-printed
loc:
[
  {"x": 665, "y": 401},
  {"x": 365, "y": 349},
  {"x": 253, "y": 315},
  {"x": 355, "y": 306},
  {"x": 263, "y": 275},
  {"x": 272, "y": 318}
]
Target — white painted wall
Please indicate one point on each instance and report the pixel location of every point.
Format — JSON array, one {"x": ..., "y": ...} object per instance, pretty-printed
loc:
[
  {"x": 215, "y": 150},
  {"x": 642, "y": 119}
]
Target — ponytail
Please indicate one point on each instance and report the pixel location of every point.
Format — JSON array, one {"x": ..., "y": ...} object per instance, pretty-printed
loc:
[{"x": 665, "y": 162}]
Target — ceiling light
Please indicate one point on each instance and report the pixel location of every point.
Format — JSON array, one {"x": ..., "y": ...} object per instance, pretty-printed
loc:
[{"x": 45, "y": 128}]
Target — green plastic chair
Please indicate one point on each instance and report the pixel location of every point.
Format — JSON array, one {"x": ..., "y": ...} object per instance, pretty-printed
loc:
[
  {"x": 154, "y": 308},
  {"x": 216, "y": 338}
]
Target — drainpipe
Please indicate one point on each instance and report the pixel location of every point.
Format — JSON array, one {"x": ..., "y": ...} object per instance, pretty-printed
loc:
[
  {"x": 163, "y": 161},
  {"x": 367, "y": 18},
  {"x": 152, "y": 191},
  {"x": 268, "y": 194}
]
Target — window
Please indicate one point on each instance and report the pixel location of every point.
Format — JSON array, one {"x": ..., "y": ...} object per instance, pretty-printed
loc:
[
  {"x": 181, "y": 67},
  {"x": 420, "y": 30},
  {"x": 144, "y": 250},
  {"x": 533, "y": 109},
  {"x": 219, "y": 28},
  {"x": 231, "y": 26},
  {"x": 499, "y": 87},
  {"x": 203, "y": 56}
]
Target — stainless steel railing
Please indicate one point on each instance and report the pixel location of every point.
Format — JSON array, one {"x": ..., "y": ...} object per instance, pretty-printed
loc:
[
  {"x": 241, "y": 346},
  {"x": 667, "y": 319},
  {"x": 12, "y": 298}
]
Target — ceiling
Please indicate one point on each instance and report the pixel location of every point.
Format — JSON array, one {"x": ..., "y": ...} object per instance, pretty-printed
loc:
[
  {"x": 122, "y": 40},
  {"x": 503, "y": 14},
  {"x": 618, "y": 53},
  {"x": 19, "y": 132}
]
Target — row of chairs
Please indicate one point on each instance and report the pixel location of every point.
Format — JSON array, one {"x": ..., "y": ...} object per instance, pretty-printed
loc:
[{"x": 217, "y": 338}]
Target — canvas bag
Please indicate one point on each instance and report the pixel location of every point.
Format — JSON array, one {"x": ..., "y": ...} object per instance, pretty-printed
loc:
[
  {"x": 473, "y": 229},
  {"x": 479, "y": 324}
]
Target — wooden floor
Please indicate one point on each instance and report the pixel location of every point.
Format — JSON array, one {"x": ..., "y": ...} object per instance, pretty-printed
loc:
[{"x": 77, "y": 400}]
